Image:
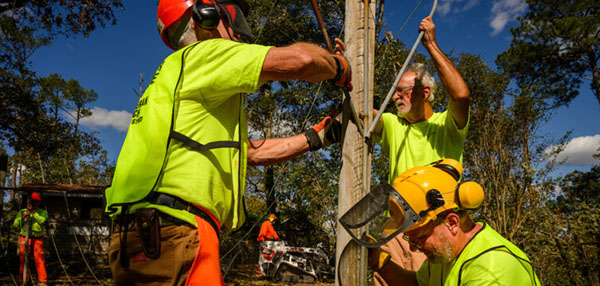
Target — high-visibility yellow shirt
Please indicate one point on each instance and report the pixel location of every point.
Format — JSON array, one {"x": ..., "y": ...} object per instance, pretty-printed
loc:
[
  {"x": 418, "y": 144},
  {"x": 37, "y": 220},
  {"x": 198, "y": 92}
]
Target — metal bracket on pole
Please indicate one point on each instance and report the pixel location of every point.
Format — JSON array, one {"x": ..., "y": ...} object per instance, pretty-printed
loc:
[{"x": 393, "y": 88}]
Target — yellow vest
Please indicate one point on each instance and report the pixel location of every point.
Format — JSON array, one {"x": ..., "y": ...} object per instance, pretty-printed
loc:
[
  {"x": 487, "y": 258},
  {"x": 194, "y": 100}
]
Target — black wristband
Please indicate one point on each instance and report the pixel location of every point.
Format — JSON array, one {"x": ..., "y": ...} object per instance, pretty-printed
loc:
[
  {"x": 339, "y": 71},
  {"x": 314, "y": 143}
]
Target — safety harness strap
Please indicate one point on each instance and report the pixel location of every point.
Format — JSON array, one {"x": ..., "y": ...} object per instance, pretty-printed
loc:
[{"x": 197, "y": 146}]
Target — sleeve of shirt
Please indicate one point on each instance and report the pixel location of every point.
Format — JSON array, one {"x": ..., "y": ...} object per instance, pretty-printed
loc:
[
  {"x": 40, "y": 216},
  {"x": 215, "y": 70},
  {"x": 17, "y": 221},
  {"x": 458, "y": 135}
]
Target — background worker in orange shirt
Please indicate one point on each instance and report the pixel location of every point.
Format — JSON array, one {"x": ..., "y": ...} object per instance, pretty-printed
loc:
[{"x": 267, "y": 232}]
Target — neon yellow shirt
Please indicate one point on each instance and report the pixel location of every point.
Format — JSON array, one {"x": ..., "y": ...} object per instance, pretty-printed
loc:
[
  {"x": 487, "y": 259},
  {"x": 37, "y": 224},
  {"x": 411, "y": 145},
  {"x": 197, "y": 90}
]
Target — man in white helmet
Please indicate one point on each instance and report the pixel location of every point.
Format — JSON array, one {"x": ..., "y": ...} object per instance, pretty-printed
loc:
[
  {"x": 427, "y": 206},
  {"x": 180, "y": 175}
]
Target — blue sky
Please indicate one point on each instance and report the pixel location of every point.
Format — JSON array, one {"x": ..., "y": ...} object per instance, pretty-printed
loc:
[{"x": 111, "y": 60}]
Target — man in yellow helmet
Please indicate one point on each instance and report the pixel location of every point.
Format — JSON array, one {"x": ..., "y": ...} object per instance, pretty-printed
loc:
[
  {"x": 429, "y": 206},
  {"x": 416, "y": 135}
]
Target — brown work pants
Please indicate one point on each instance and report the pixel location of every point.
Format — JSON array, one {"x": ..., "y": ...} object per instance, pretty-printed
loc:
[
  {"x": 188, "y": 256},
  {"x": 400, "y": 253}
]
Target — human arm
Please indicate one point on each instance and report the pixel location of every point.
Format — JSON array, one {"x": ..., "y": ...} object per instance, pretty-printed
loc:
[
  {"x": 18, "y": 218},
  {"x": 391, "y": 272},
  {"x": 379, "y": 127},
  {"x": 303, "y": 61},
  {"x": 40, "y": 216},
  {"x": 271, "y": 151},
  {"x": 448, "y": 74}
]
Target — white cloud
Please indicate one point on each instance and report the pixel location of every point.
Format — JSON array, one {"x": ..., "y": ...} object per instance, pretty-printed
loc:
[
  {"x": 504, "y": 11},
  {"x": 117, "y": 119},
  {"x": 455, "y": 6},
  {"x": 579, "y": 151}
]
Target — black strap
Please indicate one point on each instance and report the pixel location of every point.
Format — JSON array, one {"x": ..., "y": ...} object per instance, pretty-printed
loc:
[
  {"x": 197, "y": 146},
  {"x": 179, "y": 204},
  {"x": 123, "y": 236}
]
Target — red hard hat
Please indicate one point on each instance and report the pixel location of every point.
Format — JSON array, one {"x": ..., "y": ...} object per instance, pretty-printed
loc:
[
  {"x": 168, "y": 12},
  {"x": 36, "y": 196}
]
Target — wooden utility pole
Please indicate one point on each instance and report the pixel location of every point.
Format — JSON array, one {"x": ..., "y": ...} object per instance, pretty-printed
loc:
[{"x": 356, "y": 160}]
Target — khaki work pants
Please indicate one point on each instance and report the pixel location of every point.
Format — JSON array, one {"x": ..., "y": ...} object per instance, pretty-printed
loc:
[{"x": 188, "y": 256}]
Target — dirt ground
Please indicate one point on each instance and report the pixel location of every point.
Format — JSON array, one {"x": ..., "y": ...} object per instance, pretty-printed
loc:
[
  {"x": 246, "y": 275},
  {"x": 243, "y": 275}
]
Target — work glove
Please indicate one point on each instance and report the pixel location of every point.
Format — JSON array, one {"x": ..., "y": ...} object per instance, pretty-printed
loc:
[
  {"x": 325, "y": 133},
  {"x": 343, "y": 76}
]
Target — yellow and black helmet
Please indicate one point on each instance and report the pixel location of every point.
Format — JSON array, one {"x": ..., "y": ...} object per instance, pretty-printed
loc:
[{"x": 416, "y": 197}]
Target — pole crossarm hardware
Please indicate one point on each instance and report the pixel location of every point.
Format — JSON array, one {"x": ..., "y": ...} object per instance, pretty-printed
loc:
[{"x": 393, "y": 88}]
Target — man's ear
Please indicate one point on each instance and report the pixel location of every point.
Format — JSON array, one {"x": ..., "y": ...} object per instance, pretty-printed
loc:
[
  {"x": 453, "y": 223},
  {"x": 426, "y": 92}
]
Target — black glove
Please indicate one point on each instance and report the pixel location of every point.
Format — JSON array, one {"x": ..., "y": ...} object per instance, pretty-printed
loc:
[
  {"x": 343, "y": 75},
  {"x": 325, "y": 133}
]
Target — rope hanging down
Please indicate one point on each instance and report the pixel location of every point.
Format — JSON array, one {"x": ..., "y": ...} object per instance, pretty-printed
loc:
[{"x": 393, "y": 88}]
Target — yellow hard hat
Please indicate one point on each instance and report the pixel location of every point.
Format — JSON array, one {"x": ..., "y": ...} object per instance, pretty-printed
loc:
[
  {"x": 433, "y": 189},
  {"x": 272, "y": 217},
  {"x": 416, "y": 197}
]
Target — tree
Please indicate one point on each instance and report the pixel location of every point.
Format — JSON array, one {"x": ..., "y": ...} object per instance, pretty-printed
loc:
[
  {"x": 64, "y": 17},
  {"x": 32, "y": 122},
  {"x": 556, "y": 46}
]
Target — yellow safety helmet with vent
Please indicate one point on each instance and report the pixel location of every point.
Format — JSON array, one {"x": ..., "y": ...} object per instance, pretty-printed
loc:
[{"x": 416, "y": 197}]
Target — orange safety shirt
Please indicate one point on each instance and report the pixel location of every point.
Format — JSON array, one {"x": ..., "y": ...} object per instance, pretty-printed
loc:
[{"x": 267, "y": 232}]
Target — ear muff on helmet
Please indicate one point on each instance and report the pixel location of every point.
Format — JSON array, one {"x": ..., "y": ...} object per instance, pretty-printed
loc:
[
  {"x": 450, "y": 166},
  {"x": 206, "y": 14},
  {"x": 469, "y": 195}
]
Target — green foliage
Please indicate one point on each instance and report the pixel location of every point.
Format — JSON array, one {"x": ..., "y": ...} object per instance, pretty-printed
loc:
[
  {"x": 65, "y": 17},
  {"x": 556, "y": 45},
  {"x": 34, "y": 121}
]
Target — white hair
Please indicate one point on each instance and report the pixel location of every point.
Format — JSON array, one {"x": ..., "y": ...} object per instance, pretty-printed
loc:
[
  {"x": 181, "y": 33},
  {"x": 423, "y": 77}
]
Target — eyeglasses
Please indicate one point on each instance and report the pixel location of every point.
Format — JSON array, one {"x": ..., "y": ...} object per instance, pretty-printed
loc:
[
  {"x": 404, "y": 90},
  {"x": 414, "y": 241}
]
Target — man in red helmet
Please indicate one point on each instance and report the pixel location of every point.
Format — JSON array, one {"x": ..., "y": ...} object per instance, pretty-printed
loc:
[
  {"x": 180, "y": 175},
  {"x": 32, "y": 219}
]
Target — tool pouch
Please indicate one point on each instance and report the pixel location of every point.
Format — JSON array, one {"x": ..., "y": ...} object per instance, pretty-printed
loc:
[{"x": 148, "y": 229}]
